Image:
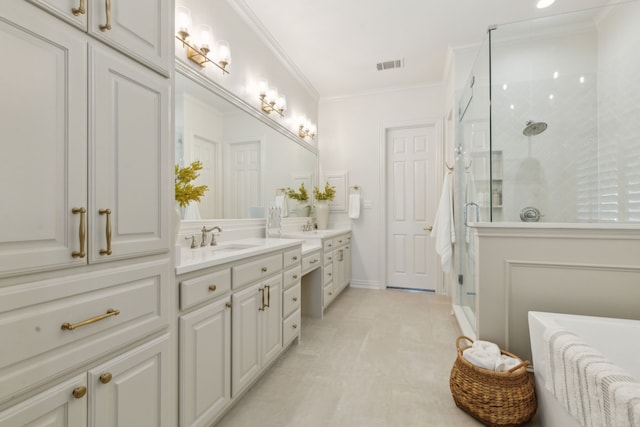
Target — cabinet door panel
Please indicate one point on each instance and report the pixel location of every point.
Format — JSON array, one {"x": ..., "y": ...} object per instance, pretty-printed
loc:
[
  {"x": 63, "y": 9},
  {"x": 55, "y": 407},
  {"x": 139, "y": 28},
  {"x": 245, "y": 337},
  {"x": 43, "y": 131},
  {"x": 205, "y": 363},
  {"x": 129, "y": 130},
  {"x": 272, "y": 321},
  {"x": 137, "y": 391}
]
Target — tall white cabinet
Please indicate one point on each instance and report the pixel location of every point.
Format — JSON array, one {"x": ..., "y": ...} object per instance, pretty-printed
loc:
[{"x": 85, "y": 267}]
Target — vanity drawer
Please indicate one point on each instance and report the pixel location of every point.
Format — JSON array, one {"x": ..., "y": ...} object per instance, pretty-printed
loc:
[
  {"x": 255, "y": 270},
  {"x": 340, "y": 241},
  {"x": 311, "y": 261},
  {"x": 328, "y": 296},
  {"x": 291, "y": 327},
  {"x": 206, "y": 287},
  {"x": 291, "y": 277},
  {"x": 292, "y": 257},
  {"x": 328, "y": 258},
  {"x": 328, "y": 273},
  {"x": 327, "y": 245},
  {"x": 32, "y": 316},
  {"x": 291, "y": 300}
]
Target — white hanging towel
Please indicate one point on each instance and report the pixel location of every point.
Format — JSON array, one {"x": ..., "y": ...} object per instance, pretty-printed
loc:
[
  {"x": 354, "y": 206},
  {"x": 281, "y": 202},
  {"x": 443, "y": 226}
]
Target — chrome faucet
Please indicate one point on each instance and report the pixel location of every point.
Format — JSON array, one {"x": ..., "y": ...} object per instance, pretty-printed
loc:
[{"x": 205, "y": 230}]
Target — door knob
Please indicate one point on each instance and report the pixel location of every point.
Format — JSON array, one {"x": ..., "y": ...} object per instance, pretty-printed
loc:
[{"x": 429, "y": 228}]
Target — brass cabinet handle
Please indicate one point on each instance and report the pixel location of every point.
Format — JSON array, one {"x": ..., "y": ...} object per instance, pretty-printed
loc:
[
  {"x": 429, "y": 228},
  {"x": 71, "y": 327},
  {"x": 107, "y": 26},
  {"x": 295, "y": 258},
  {"x": 79, "y": 392},
  {"x": 268, "y": 295},
  {"x": 339, "y": 241},
  {"x": 329, "y": 274},
  {"x": 313, "y": 261},
  {"x": 107, "y": 212},
  {"x": 213, "y": 288},
  {"x": 262, "y": 292},
  {"x": 295, "y": 276},
  {"x": 82, "y": 232},
  {"x": 264, "y": 269},
  {"x": 228, "y": 305},
  {"x": 295, "y": 299},
  {"x": 81, "y": 10},
  {"x": 106, "y": 377},
  {"x": 294, "y": 326}
]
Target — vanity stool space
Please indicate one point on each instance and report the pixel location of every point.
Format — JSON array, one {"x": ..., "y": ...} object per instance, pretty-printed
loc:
[{"x": 238, "y": 312}]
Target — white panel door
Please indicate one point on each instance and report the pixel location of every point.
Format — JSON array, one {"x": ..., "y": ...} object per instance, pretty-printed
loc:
[
  {"x": 43, "y": 135},
  {"x": 133, "y": 389},
  {"x": 411, "y": 207},
  {"x": 244, "y": 179},
  {"x": 129, "y": 128},
  {"x": 207, "y": 151},
  {"x": 205, "y": 363}
]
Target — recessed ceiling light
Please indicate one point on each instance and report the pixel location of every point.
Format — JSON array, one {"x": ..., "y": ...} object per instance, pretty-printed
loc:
[{"x": 544, "y": 3}]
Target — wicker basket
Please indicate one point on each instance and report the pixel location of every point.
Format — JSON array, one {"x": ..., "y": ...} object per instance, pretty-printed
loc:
[{"x": 493, "y": 398}]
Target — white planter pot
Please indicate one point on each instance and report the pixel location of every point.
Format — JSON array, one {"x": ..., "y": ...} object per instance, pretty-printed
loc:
[{"x": 322, "y": 214}]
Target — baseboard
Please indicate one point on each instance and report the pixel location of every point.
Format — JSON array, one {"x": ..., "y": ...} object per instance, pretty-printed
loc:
[{"x": 366, "y": 284}]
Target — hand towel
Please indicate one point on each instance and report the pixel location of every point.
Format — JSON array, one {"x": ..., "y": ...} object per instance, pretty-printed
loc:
[
  {"x": 354, "y": 206},
  {"x": 479, "y": 358},
  {"x": 488, "y": 347},
  {"x": 443, "y": 225},
  {"x": 504, "y": 363}
]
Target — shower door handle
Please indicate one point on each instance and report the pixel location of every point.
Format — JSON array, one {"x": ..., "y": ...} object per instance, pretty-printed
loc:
[{"x": 466, "y": 207}]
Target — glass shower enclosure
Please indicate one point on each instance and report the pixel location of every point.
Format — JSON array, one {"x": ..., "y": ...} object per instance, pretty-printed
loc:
[{"x": 549, "y": 128}]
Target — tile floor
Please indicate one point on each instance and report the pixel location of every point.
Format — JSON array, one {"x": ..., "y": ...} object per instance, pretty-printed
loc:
[{"x": 377, "y": 359}]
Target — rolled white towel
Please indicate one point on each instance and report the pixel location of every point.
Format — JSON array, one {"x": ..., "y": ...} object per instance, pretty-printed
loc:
[
  {"x": 504, "y": 363},
  {"x": 488, "y": 347},
  {"x": 480, "y": 358}
]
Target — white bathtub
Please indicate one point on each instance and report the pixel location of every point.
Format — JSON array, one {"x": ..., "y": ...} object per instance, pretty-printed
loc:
[{"x": 616, "y": 339}]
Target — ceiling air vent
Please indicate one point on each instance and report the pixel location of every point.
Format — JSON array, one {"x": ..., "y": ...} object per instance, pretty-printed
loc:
[{"x": 388, "y": 65}]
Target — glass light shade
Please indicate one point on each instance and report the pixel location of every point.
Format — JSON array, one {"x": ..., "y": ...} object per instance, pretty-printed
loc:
[
  {"x": 273, "y": 94},
  {"x": 183, "y": 19},
  {"x": 224, "y": 51},
  {"x": 205, "y": 36},
  {"x": 263, "y": 87},
  {"x": 281, "y": 103},
  {"x": 544, "y": 3}
]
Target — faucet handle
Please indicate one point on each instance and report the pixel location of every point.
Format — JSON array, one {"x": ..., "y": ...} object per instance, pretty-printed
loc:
[
  {"x": 193, "y": 241},
  {"x": 213, "y": 239}
]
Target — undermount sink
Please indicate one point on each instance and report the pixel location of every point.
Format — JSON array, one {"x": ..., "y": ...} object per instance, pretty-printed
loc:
[{"x": 222, "y": 249}]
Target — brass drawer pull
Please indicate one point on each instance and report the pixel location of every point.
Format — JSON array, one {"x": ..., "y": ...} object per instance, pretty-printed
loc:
[
  {"x": 295, "y": 276},
  {"x": 294, "y": 326},
  {"x": 107, "y": 212},
  {"x": 268, "y": 295},
  {"x": 71, "y": 327},
  {"x": 329, "y": 274},
  {"x": 107, "y": 26},
  {"x": 313, "y": 261},
  {"x": 295, "y": 258},
  {"x": 213, "y": 288},
  {"x": 262, "y": 292},
  {"x": 81, "y": 10},
  {"x": 106, "y": 377},
  {"x": 82, "y": 232},
  {"x": 79, "y": 392},
  {"x": 295, "y": 299},
  {"x": 228, "y": 305},
  {"x": 264, "y": 269}
]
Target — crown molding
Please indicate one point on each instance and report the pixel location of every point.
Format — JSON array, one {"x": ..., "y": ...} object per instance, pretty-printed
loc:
[{"x": 250, "y": 18}]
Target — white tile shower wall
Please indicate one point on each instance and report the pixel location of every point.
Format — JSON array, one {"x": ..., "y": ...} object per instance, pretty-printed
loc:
[{"x": 551, "y": 171}]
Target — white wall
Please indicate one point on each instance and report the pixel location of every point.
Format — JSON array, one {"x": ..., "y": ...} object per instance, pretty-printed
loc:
[{"x": 351, "y": 137}]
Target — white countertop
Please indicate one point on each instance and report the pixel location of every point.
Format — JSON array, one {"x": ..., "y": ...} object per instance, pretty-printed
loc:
[
  {"x": 210, "y": 256},
  {"x": 316, "y": 235}
]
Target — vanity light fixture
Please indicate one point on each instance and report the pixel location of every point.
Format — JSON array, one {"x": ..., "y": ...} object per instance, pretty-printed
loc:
[
  {"x": 306, "y": 130},
  {"x": 199, "y": 54},
  {"x": 270, "y": 101}
]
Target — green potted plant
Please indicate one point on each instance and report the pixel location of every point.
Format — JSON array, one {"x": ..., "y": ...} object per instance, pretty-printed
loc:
[
  {"x": 185, "y": 191},
  {"x": 302, "y": 197},
  {"x": 322, "y": 206}
]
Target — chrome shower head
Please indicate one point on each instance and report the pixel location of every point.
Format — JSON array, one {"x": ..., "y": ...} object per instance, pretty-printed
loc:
[{"x": 534, "y": 128}]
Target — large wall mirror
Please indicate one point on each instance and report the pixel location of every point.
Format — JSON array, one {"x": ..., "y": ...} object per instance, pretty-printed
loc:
[{"x": 246, "y": 159}]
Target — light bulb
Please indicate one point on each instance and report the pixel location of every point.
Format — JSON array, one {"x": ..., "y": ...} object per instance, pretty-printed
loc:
[
  {"x": 183, "y": 21},
  {"x": 544, "y": 3}
]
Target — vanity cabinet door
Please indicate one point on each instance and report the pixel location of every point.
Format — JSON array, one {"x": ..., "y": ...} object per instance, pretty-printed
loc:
[
  {"x": 205, "y": 363},
  {"x": 272, "y": 321},
  {"x": 133, "y": 389},
  {"x": 128, "y": 140},
  {"x": 67, "y": 10},
  {"x": 43, "y": 130},
  {"x": 55, "y": 407},
  {"x": 247, "y": 311}
]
